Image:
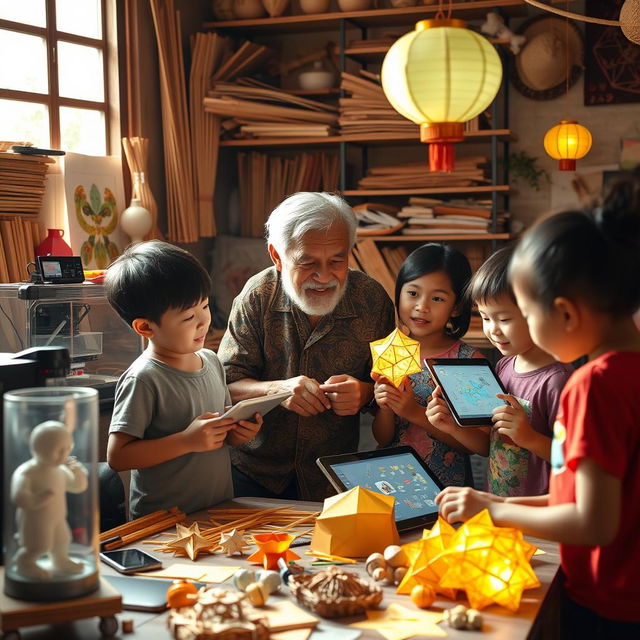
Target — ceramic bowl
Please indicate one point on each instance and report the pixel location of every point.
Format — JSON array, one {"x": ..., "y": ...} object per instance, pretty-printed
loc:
[{"x": 316, "y": 79}]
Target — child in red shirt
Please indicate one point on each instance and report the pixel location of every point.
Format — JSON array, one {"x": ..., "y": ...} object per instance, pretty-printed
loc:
[{"x": 575, "y": 277}]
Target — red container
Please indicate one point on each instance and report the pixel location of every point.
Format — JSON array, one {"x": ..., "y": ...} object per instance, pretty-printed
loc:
[{"x": 54, "y": 245}]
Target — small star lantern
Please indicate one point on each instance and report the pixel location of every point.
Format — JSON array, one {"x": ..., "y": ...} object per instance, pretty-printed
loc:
[{"x": 395, "y": 357}]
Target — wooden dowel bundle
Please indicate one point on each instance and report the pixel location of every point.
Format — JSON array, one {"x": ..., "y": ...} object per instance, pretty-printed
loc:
[{"x": 141, "y": 528}]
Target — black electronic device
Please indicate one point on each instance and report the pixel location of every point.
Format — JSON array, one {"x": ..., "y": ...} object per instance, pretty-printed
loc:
[
  {"x": 469, "y": 387},
  {"x": 61, "y": 269},
  {"x": 36, "y": 151},
  {"x": 130, "y": 560},
  {"x": 396, "y": 471}
]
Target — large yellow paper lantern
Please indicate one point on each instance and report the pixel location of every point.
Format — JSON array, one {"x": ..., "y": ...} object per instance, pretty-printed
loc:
[
  {"x": 567, "y": 142},
  {"x": 440, "y": 76}
]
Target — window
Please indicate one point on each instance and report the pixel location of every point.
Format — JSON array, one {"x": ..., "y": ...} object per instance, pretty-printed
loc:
[{"x": 53, "y": 74}]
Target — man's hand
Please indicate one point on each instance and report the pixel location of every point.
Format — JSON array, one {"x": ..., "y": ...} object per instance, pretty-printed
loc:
[
  {"x": 308, "y": 399},
  {"x": 345, "y": 393},
  {"x": 208, "y": 432},
  {"x": 244, "y": 430},
  {"x": 458, "y": 504},
  {"x": 439, "y": 414},
  {"x": 511, "y": 420}
]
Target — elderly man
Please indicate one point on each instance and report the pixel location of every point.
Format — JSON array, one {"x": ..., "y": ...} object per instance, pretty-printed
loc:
[{"x": 304, "y": 326}]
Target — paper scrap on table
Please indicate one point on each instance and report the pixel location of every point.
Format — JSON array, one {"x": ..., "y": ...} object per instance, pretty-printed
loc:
[
  {"x": 539, "y": 552},
  {"x": 397, "y": 623},
  {"x": 327, "y": 631},
  {"x": 293, "y": 634},
  {"x": 190, "y": 571}
]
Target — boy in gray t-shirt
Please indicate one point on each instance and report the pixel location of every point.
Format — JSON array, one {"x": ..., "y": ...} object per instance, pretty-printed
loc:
[{"x": 165, "y": 425}]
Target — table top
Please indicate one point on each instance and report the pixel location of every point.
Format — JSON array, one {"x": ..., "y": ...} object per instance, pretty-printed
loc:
[{"x": 534, "y": 619}]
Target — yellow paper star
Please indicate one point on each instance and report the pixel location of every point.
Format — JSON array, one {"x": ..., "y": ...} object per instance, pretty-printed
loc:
[
  {"x": 189, "y": 541},
  {"x": 395, "y": 357},
  {"x": 490, "y": 563},
  {"x": 397, "y": 622},
  {"x": 424, "y": 568},
  {"x": 272, "y": 547}
]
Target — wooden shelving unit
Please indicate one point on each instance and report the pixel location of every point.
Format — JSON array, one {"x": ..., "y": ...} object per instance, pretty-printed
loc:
[{"x": 499, "y": 188}]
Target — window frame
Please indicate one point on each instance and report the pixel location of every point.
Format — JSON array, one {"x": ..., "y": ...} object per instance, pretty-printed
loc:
[{"x": 52, "y": 99}]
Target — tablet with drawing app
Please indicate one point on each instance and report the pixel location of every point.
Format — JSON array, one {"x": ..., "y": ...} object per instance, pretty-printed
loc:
[
  {"x": 396, "y": 471},
  {"x": 469, "y": 387}
]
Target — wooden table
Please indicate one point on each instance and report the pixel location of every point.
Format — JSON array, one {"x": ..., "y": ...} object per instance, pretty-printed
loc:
[{"x": 535, "y": 619}]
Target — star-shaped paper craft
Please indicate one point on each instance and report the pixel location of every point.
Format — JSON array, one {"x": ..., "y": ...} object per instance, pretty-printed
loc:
[
  {"x": 232, "y": 542},
  {"x": 490, "y": 563},
  {"x": 397, "y": 623},
  {"x": 395, "y": 357},
  {"x": 428, "y": 565},
  {"x": 272, "y": 547},
  {"x": 189, "y": 541}
]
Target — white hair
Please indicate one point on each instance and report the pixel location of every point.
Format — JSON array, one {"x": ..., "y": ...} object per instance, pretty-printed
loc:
[{"x": 307, "y": 211}]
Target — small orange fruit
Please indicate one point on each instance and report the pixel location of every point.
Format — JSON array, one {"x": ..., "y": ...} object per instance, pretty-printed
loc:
[{"x": 423, "y": 595}]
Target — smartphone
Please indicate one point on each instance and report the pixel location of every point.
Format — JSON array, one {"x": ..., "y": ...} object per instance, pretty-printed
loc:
[{"x": 130, "y": 560}]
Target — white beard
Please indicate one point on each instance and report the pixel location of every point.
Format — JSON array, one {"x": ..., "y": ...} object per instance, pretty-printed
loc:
[{"x": 312, "y": 306}]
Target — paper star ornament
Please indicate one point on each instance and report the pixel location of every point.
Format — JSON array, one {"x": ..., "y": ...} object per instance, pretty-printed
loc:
[
  {"x": 490, "y": 563},
  {"x": 272, "y": 547},
  {"x": 397, "y": 623},
  {"x": 189, "y": 541},
  {"x": 427, "y": 564},
  {"x": 232, "y": 542},
  {"x": 395, "y": 357}
]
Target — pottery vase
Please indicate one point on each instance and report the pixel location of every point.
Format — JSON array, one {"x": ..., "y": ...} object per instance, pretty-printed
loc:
[
  {"x": 406, "y": 3},
  {"x": 275, "y": 8},
  {"x": 54, "y": 245},
  {"x": 314, "y": 6},
  {"x": 354, "y": 5},
  {"x": 223, "y": 9},
  {"x": 248, "y": 9}
]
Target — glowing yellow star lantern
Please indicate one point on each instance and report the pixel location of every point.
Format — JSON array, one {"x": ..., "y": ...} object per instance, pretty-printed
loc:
[
  {"x": 272, "y": 547},
  {"x": 440, "y": 76},
  {"x": 490, "y": 563},
  {"x": 395, "y": 357},
  {"x": 355, "y": 524},
  {"x": 427, "y": 564},
  {"x": 567, "y": 142}
]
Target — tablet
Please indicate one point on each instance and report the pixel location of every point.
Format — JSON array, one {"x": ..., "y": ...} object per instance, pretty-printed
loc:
[
  {"x": 246, "y": 409},
  {"x": 469, "y": 387},
  {"x": 142, "y": 594},
  {"x": 396, "y": 471}
]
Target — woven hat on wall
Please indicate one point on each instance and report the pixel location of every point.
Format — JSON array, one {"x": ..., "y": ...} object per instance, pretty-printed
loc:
[{"x": 540, "y": 69}]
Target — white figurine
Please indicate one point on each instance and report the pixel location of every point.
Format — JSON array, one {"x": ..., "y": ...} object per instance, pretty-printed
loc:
[
  {"x": 494, "y": 26},
  {"x": 38, "y": 489}
]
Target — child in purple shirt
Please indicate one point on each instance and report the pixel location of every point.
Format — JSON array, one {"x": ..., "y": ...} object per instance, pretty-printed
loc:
[{"x": 519, "y": 442}]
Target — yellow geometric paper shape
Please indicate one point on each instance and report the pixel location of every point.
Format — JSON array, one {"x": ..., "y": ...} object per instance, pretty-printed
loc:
[
  {"x": 272, "y": 547},
  {"x": 395, "y": 357},
  {"x": 397, "y": 623},
  {"x": 355, "y": 524},
  {"x": 424, "y": 568},
  {"x": 189, "y": 541},
  {"x": 490, "y": 563}
]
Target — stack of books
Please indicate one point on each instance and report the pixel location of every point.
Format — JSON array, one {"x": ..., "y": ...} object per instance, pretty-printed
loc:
[
  {"x": 366, "y": 110},
  {"x": 253, "y": 109},
  {"x": 438, "y": 217},
  {"x": 467, "y": 172}
]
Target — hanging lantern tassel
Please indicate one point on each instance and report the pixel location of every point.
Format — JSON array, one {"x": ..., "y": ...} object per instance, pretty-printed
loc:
[
  {"x": 440, "y": 76},
  {"x": 567, "y": 142}
]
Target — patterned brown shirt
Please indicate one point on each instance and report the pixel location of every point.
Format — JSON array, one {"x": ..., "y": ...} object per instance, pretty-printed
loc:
[{"x": 269, "y": 338}]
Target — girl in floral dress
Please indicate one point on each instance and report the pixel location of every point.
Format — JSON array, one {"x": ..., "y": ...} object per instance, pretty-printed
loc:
[{"x": 432, "y": 309}]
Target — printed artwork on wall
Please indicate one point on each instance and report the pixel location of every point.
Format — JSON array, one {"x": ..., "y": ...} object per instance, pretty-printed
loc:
[
  {"x": 612, "y": 63},
  {"x": 95, "y": 197}
]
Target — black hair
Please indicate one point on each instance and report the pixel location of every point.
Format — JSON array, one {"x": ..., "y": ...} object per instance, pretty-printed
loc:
[
  {"x": 491, "y": 280},
  {"x": 433, "y": 257},
  {"x": 593, "y": 255},
  {"x": 151, "y": 277}
]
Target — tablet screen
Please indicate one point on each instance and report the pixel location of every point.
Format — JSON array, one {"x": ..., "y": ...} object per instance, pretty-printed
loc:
[
  {"x": 470, "y": 388},
  {"x": 400, "y": 475}
]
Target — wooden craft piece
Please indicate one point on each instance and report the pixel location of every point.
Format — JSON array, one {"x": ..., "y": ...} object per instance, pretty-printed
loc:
[
  {"x": 272, "y": 547},
  {"x": 355, "y": 523},
  {"x": 395, "y": 357},
  {"x": 232, "y": 542},
  {"x": 335, "y": 593},
  {"x": 190, "y": 541}
]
